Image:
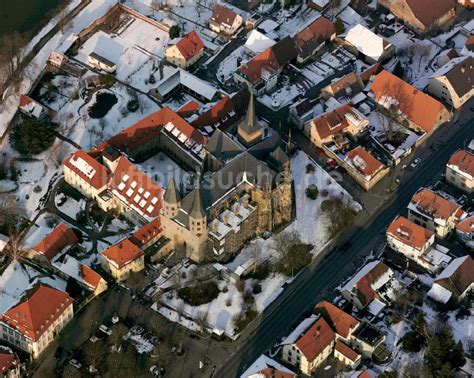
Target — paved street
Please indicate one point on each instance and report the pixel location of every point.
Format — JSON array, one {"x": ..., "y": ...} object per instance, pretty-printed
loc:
[{"x": 315, "y": 283}]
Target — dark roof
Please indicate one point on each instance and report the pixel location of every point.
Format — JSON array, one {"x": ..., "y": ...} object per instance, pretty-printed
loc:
[
  {"x": 284, "y": 50},
  {"x": 218, "y": 184},
  {"x": 428, "y": 11},
  {"x": 263, "y": 149},
  {"x": 278, "y": 158},
  {"x": 222, "y": 146},
  {"x": 250, "y": 124},
  {"x": 461, "y": 76},
  {"x": 223, "y": 15},
  {"x": 307, "y": 40},
  {"x": 197, "y": 210},
  {"x": 171, "y": 194}
]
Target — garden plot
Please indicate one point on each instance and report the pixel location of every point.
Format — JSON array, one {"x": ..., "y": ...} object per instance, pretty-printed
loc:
[
  {"x": 415, "y": 56},
  {"x": 57, "y": 92},
  {"x": 313, "y": 228}
]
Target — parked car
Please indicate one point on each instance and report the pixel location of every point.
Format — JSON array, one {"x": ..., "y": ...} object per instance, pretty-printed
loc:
[
  {"x": 115, "y": 319},
  {"x": 415, "y": 162},
  {"x": 75, "y": 363},
  {"x": 166, "y": 272},
  {"x": 105, "y": 329}
]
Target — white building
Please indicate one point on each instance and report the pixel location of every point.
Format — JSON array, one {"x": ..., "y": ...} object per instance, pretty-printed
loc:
[
  {"x": 225, "y": 20},
  {"x": 370, "y": 46}
]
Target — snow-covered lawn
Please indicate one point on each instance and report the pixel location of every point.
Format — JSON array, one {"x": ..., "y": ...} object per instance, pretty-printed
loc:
[
  {"x": 42, "y": 227},
  {"x": 310, "y": 223},
  {"x": 71, "y": 207},
  {"x": 229, "y": 65},
  {"x": 160, "y": 168}
]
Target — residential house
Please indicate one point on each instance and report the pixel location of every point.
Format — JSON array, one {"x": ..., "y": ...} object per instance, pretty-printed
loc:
[
  {"x": 266, "y": 367},
  {"x": 369, "y": 286},
  {"x": 468, "y": 49},
  {"x": 422, "y": 15},
  {"x": 367, "y": 45},
  {"x": 10, "y": 366},
  {"x": 364, "y": 167},
  {"x": 465, "y": 231},
  {"x": 342, "y": 323},
  {"x": 460, "y": 170},
  {"x": 147, "y": 235},
  {"x": 313, "y": 38},
  {"x": 261, "y": 72},
  {"x": 225, "y": 20},
  {"x": 101, "y": 63},
  {"x": 309, "y": 345},
  {"x": 257, "y": 43},
  {"x": 437, "y": 214},
  {"x": 346, "y": 354},
  {"x": 416, "y": 243},
  {"x": 455, "y": 281},
  {"x": 57, "y": 59},
  {"x": 304, "y": 111},
  {"x": 454, "y": 82},
  {"x": 86, "y": 174},
  {"x": 106, "y": 54},
  {"x": 31, "y": 108},
  {"x": 333, "y": 126},
  {"x": 122, "y": 259},
  {"x": 446, "y": 56},
  {"x": 187, "y": 51},
  {"x": 246, "y": 5},
  {"x": 411, "y": 107},
  {"x": 319, "y": 5},
  {"x": 33, "y": 323},
  {"x": 57, "y": 241}
]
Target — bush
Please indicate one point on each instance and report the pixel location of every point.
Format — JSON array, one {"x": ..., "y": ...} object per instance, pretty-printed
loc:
[
  {"x": 240, "y": 285},
  {"x": 298, "y": 256},
  {"x": 339, "y": 26},
  {"x": 310, "y": 168},
  {"x": 107, "y": 80},
  {"x": 247, "y": 296},
  {"x": 132, "y": 105},
  {"x": 203, "y": 292},
  {"x": 241, "y": 321},
  {"x": 312, "y": 192},
  {"x": 261, "y": 272},
  {"x": 174, "y": 31},
  {"x": 256, "y": 288},
  {"x": 413, "y": 341},
  {"x": 32, "y": 136}
]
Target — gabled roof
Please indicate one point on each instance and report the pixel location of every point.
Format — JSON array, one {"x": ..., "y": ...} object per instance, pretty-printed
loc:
[
  {"x": 188, "y": 109},
  {"x": 347, "y": 351},
  {"x": 90, "y": 276},
  {"x": 222, "y": 146},
  {"x": 336, "y": 121},
  {"x": 58, "y": 239},
  {"x": 25, "y": 100},
  {"x": 80, "y": 272},
  {"x": 311, "y": 37},
  {"x": 460, "y": 74},
  {"x": 220, "y": 116},
  {"x": 150, "y": 127},
  {"x": 223, "y": 15},
  {"x": 340, "y": 321},
  {"x": 136, "y": 189},
  {"x": 88, "y": 168},
  {"x": 265, "y": 367},
  {"x": 346, "y": 86},
  {"x": 190, "y": 45},
  {"x": 37, "y": 311},
  {"x": 409, "y": 233},
  {"x": 464, "y": 161},
  {"x": 258, "y": 42},
  {"x": 458, "y": 275},
  {"x": 466, "y": 226},
  {"x": 8, "y": 361},
  {"x": 148, "y": 232},
  {"x": 434, "y": 205},
  {"x": 364, "y": 161},
  {"x": 367, "y": 42},
  {"x": 417, "y": 106},
  {"x": 317, "y": 338},
  {"x": 122, "y": 253},
  {"x": 428, "y": 11}
]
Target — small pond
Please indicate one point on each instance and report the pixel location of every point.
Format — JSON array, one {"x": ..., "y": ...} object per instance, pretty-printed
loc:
[{"x": 104, "y": 101}]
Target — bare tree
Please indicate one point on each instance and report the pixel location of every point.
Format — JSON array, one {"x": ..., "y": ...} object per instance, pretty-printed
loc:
[
  {"x": 180, "y": 310},
  {"x": 59, "y": 153},
  {"x": 11, "y": 54},
  {"x": 283, "y": 241},
  {"x": 423, "y": 52},
  {"x": 202, "y": 319},
  {"x": 255, "y": 252},
  {"x": 334, "y": 7}
]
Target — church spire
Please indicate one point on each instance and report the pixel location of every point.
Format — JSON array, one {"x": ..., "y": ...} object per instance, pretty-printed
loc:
[
  {"x": 171, "y": 194},
  {"x": 197, "y": 211},
  {"x": 251, "y": 117}
]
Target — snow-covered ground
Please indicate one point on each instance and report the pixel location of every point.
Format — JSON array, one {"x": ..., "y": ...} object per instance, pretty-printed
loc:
[
  {"x": 160, "y": 168},
  {"x": 229, "y": 65},
  {"x": 310, "y": 223}
]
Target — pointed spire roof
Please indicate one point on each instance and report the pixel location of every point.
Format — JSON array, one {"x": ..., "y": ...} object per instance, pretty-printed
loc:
[
  {"x": 250, "y": 124},
  {"x": 172, "y": 194},
  {"x": 197, "y": 210}
]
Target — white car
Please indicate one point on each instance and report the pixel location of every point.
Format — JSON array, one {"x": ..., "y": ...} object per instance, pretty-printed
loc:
[
  {"x": 105, "y": 329},
  {"x": 415, "y": 162},
  {"x": 75, "y": 363},
  {"x": 115, "y": 319}
]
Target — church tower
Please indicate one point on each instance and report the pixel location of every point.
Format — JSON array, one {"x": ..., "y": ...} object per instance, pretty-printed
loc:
[
  {"x": 249, "y": 131},
  {"x": 171, "y": 200}
]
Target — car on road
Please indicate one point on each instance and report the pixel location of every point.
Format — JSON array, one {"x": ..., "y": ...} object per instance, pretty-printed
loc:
[
  {"x": 105, "y": 329},
  {"x": 415, "y": 162},
  {"x": 75, "y": 363}
]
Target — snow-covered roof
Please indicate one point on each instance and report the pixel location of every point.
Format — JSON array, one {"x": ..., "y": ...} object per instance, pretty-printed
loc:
[
  {"x": 268, "y": 25},
  {"x": 448, "y": 67},
  {"x": 321, "y": 3},
  {"x": 366, "y": 270},
  {"x": 439, "y": 293},
  {"x": 300, "y": 329},
  {"x": 367, "y": 42},
  {"x": 469, "y": 26},
  {"x": 258, "y": 42},
  {"x": 451, "y": 268},
  {"x": 375, "y": 307},
  {"x": 261, "y": 363},
  {"x": 108, "y": 48}
]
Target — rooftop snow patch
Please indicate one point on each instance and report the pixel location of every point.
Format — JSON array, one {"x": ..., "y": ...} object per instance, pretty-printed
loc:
[{"x": 367, "y": 42}]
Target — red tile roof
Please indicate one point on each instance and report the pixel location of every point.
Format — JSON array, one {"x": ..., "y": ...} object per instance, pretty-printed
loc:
[
  {"x": 265, "y": 61},
  {"x": 347, "y": 351},
  {"x": 271, "y": 372},
  {"x": 317, "y": 338},
  {"x": 435, "y": 205},
  {"x": 464, "y": 161},
  {"x": 459, "y": 279},
  {"x": 135, "y": 189},
  {"x": 373, "y": 70},
  {"x": 221, "y": 115},
  {"x": 190, "y": 45},
  {"x": 149, "y": 128},
  {"x": 409, "y": 233},
  {"x": 364, "y": 161},
  {"x": 8, "y": 361},
  {"x": 363, "y": 287},
  {"x": 223, "y": 15},
  {"x": 122, "y": 253},
  {"x": 470, "y": 43},
  {"x": 37, "y": 311},
  {"x": 148, "y": 232},
  {"x": 417, "y": 106},
  {"x": 428, "y": 12},
  {"x": 312, "y": 36},
  {"x": 188, "y": 109},
  {"x": 339, "y": 320},
  {"x": 466, "y": 226},
  {"x": 88, "y": 168},
  {"x": 58, "y": 239},
  {"x": 90, "y": 276},
  {"x": 25, "y": 100},
  {"x": 334, "y": 122}
]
